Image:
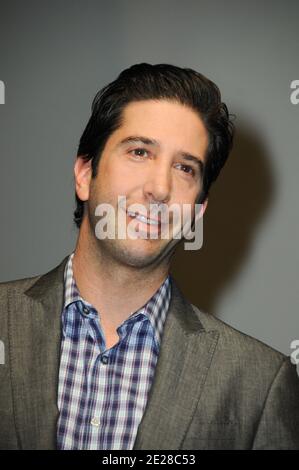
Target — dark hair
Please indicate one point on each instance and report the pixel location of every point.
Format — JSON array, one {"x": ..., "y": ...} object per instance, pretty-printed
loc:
[{"x": 161, "y": 81}]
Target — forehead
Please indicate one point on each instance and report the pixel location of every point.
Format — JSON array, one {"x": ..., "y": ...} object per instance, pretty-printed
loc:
[
  {"x": 168, "y": 122},
  {"x": 154, "y": 113}
]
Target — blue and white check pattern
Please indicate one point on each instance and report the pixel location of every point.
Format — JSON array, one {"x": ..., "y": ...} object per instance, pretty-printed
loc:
[{"x": 102, "y": 393}]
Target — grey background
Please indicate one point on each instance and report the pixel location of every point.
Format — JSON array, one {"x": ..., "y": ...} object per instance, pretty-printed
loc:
[{"x": 54, "y": 57}]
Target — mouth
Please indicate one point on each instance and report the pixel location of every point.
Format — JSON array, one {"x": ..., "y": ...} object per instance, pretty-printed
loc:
[
  {"x": 153, "y": 228},
  {"x": 144, "y": 219}
]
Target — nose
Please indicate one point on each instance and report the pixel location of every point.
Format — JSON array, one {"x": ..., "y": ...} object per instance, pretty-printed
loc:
[{"x": 157, "y": 187}]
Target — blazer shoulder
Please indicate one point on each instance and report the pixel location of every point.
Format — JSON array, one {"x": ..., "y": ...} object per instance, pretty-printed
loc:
[
  {"x": 240, "y": 345},
  {"x": 17, "y": 286}
]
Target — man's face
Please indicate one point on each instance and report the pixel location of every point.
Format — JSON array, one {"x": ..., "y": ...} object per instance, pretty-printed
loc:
[{"x": 147, "y": 160}]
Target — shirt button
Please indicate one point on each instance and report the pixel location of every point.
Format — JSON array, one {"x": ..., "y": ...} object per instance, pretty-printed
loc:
[
  {"x": 86, "y": 310},
  {"x": 104, "y": 359},
  {"x": 95, "y": 422}
]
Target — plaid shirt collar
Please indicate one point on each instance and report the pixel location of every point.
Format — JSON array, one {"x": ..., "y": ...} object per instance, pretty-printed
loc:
[{"x": 155, "y": 310}]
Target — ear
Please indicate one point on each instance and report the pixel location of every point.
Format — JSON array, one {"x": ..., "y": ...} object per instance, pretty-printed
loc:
[{"x": 82, "y": 173}]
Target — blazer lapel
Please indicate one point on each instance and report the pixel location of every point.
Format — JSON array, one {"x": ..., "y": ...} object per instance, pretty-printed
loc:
[
  {"x": 35, "y": 337},
  {"x": 185, "y": 356}
]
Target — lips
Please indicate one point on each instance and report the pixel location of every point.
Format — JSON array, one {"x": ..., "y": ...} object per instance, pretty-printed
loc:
[{"x": 143, "y": 218}]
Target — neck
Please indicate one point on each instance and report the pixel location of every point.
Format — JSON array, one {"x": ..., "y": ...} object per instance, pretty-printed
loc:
[{"x": 116, "y": 290}]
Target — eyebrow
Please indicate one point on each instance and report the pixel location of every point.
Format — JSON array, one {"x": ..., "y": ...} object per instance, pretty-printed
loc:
[{"x": 137, "y": 139}]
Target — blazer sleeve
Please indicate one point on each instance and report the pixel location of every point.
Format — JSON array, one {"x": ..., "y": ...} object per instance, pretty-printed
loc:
[
  {"x": 8, "y": 436},
  {"x": 278, "y": 427}
]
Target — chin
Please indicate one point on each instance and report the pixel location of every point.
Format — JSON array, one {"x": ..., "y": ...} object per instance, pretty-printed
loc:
[
  {"x": 139, "y": 257},
  {"x": 139, "y": 253}
]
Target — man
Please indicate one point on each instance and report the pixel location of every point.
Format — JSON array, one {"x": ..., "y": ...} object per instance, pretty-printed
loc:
[{"x": 104, "y": 351}]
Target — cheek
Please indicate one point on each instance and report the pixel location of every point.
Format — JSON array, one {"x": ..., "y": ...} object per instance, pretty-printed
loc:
[
  {"x": 184, "y": 195},
  {"x": 115, "y": 181},
  {"x": 187, "y": 200},
  {"x": 127, "y": 177},
  {"x": 123, "y": 184}
]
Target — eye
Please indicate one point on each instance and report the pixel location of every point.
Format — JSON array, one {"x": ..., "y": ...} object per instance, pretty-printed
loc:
[
  {"x": 139, "y": 152},
  {"x": 187, "y": 169}
]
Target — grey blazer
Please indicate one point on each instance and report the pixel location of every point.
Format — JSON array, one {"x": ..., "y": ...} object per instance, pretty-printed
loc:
[{"x": 214, "y": 387}]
